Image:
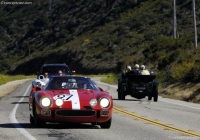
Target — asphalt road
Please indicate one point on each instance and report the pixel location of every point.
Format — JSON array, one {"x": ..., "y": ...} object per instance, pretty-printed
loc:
[{"x": 142, "y": 120}]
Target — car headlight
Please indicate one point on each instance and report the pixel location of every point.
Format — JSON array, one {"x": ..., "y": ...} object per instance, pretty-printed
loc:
[
  {"x": 46, "y": 102},
  {"x": 93, "y": 102},
  {"x": 59, "y": 102},
  {"x": 104, "y": 102}
]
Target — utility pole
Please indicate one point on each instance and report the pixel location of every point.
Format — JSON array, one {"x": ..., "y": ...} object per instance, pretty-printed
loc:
[
  {"x": 195, "y": 28},
  {"x": 175, "y": 20},
  {"x": 50, "y": 5}
]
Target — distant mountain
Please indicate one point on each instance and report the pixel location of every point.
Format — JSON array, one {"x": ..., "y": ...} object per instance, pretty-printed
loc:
[{"x": 100, "y": 36}]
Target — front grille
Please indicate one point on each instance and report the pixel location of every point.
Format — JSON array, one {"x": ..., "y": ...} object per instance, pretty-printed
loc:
[{"x": 71, "y": 113}]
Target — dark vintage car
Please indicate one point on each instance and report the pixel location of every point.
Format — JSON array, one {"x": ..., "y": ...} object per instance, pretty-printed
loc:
[
  {"x": 52, "y": 69},
  {"x": 73, "y": 99},
  {"x": 137, "y": 86}
]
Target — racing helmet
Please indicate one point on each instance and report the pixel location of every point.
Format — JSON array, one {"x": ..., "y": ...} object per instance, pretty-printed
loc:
[
  {"x": 136, "y": 66},
  {"x": 142, "y": 67},
  {"x": 129, "y": 67}
]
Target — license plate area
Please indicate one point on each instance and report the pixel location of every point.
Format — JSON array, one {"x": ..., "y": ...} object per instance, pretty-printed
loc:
[{"x": 140, "y": 88}]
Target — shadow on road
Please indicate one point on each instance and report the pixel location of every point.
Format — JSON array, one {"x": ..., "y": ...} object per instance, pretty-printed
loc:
[
  {"x": 20, "y": 96},
  {"x": 20, "y": 103},
  {"x": 128, "y": 100},
  {"x": 50, "y": 126}
]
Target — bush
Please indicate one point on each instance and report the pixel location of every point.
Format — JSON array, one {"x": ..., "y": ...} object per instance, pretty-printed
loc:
[
  {"x": 179, "y": 71},
  {"x": 193, "y": 74}
]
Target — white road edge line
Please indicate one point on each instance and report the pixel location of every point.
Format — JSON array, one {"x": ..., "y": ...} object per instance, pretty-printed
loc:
[
  {"x": 16, "y": 123},
  {"x": 179, "y": 104},
  {"x": 158, "y": 99}
]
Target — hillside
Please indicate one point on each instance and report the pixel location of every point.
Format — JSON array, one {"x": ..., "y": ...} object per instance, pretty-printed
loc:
[{"x": 100, "y": 36}]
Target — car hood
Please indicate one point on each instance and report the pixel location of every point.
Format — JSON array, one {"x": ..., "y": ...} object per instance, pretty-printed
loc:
[{"x": 83, "y": 94}]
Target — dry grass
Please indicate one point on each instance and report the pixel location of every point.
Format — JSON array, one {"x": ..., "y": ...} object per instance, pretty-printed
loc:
[
  {"x": 110, "y": 79},
  {"x": 11, "y": 86},
  {"x": 6, "y": 78},
  {"x": 188, "y": 92}
]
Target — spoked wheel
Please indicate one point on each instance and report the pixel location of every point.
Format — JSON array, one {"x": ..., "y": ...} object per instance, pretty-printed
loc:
[
  {"x": 119, "y": 91},
  {"x": 155, "y": 92},
  {"x": 121, "y": 96}
]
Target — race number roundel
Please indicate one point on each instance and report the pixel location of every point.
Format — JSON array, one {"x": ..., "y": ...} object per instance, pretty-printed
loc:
[{"x": 73, "y": 97}]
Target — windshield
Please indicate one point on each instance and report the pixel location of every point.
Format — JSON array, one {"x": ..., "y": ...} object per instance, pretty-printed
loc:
[
  {"x": 63, "y": 82},
  {"x": 54, "y": 70}
]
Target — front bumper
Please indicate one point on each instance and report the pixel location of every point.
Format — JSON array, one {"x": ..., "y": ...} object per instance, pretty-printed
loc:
[{"x": 76, "y": 116}]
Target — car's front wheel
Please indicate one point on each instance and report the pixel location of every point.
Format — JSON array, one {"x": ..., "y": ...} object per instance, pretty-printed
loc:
[
  {"x": 37, "y": 121},
  {"x": 121, "y": 96},
  {"x": 149, "y": 97},
  {"x": 155, "y": 91},
  {"x": 32, "y": 119},
  {"x": 106, "y": 124}
]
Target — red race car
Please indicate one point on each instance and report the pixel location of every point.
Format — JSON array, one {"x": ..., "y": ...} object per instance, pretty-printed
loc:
[{"x": 73, "y": 99}]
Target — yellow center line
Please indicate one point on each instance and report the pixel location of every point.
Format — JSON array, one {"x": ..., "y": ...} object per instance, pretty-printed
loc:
[{"x": 165, "y": 126}]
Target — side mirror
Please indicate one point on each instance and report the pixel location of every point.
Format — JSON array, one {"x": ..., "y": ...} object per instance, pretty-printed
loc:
[
  {"x": 38, "y": 88},
  {"x": 35, "y": 89}
]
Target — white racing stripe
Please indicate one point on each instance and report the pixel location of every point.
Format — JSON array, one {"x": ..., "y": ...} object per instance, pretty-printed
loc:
[
  {"x": 74, "y": 99},
  {"x": 16, "y": 123}
]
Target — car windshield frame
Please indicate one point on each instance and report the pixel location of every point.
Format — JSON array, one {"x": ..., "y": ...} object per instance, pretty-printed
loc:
[
  {"x": 71, "y": 82},
  {"x": 51, "y": 70}
]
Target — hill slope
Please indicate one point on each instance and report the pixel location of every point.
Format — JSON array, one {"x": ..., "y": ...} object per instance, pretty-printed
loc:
[{"x": 100, "y": 36}]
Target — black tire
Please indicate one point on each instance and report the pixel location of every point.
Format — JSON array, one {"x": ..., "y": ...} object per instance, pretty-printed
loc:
[
  {"x": 150, "y": 97},
  {"x": 119, "y": 90},
  {"x": 121, "y": 96},
  {"x": 106, "y": 125},
  {"x": 37, "y": 121},
  {"x": 155, "y": 92},
  {"x": 32, "y": 120},
  {"x": 94, "y": 123}
]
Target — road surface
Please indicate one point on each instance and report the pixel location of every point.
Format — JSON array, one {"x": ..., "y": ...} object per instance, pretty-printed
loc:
[{"x": 133, "y": 119}]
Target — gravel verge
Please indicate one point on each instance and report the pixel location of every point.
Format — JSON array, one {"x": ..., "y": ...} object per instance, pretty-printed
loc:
[{"x": 7, "y": 88}]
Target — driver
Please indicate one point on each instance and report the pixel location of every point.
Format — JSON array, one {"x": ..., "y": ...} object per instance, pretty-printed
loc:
[
  {"x": 57, "y": 84},
  {"x": 72, "y": 85}
]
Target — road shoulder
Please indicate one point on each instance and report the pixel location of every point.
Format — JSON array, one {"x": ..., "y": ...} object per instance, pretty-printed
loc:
[{"x": 7, "y": 88}]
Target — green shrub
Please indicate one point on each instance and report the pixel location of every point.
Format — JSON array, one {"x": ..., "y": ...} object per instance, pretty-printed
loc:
[
  {"x": 194, "y": 73},
  {"x": 110, "y": 78},
  {"x": 179, "y": 70}
]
